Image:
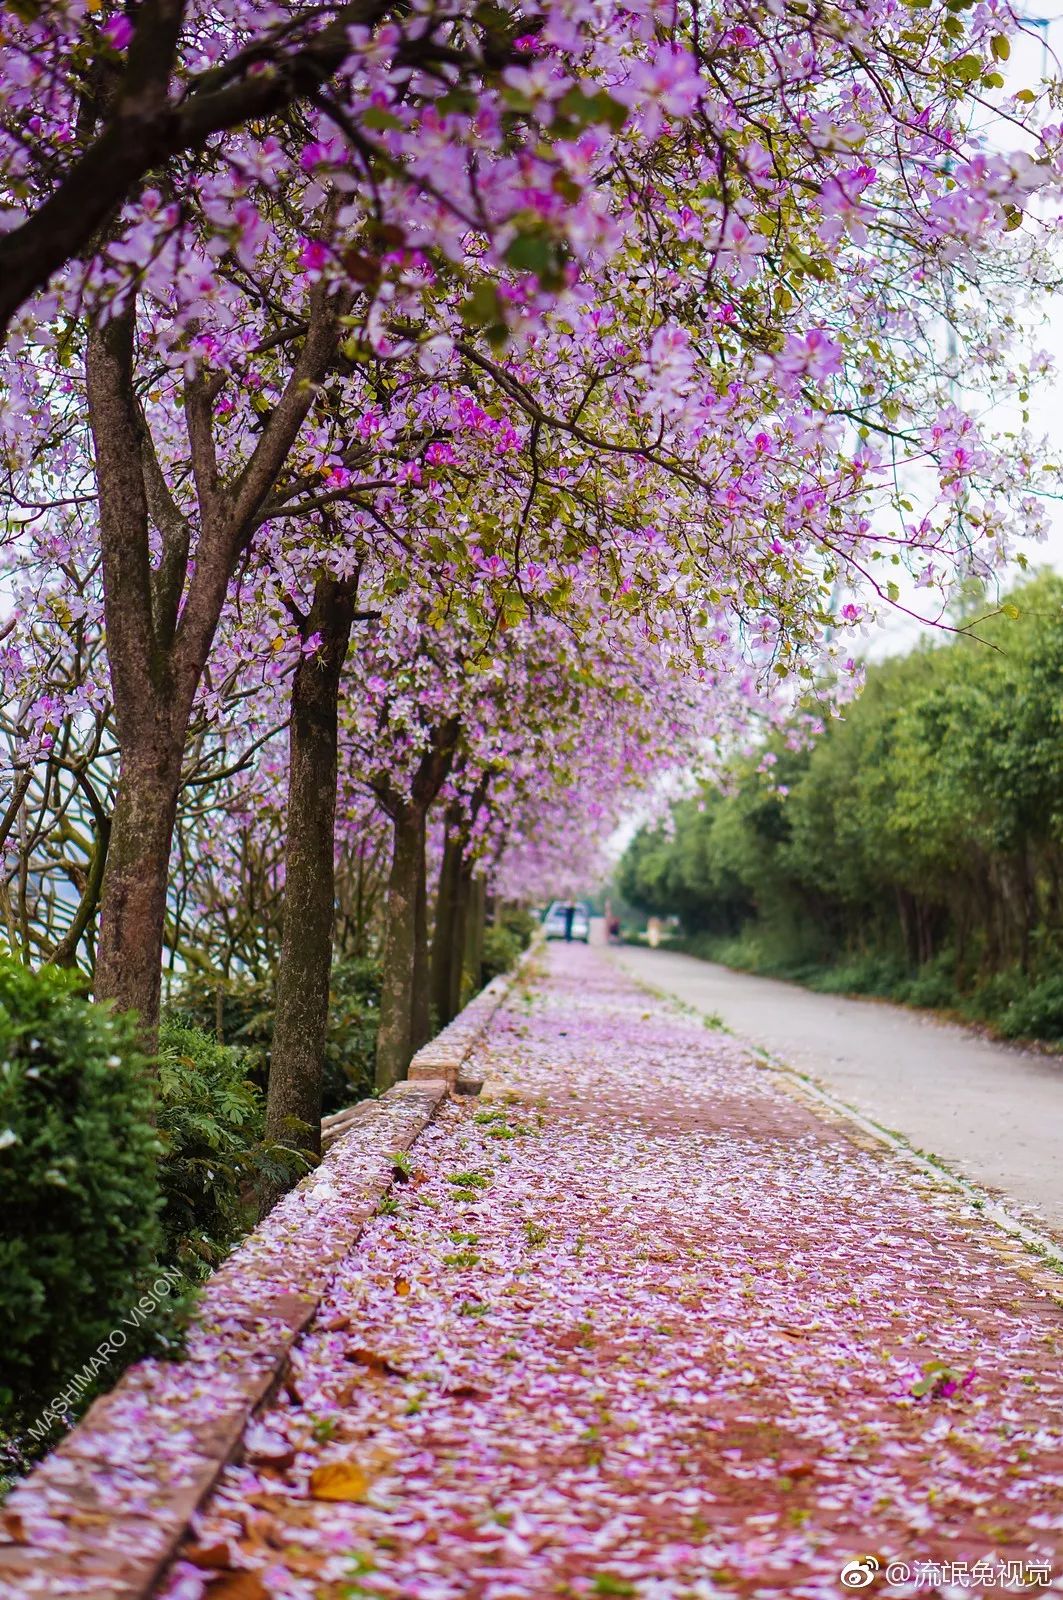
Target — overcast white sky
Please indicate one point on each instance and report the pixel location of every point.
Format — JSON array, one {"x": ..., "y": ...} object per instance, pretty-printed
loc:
[{"x": 1031, "y": 61}]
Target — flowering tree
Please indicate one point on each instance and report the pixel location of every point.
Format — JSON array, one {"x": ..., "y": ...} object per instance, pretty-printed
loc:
[{"x": 554, "y": 311}]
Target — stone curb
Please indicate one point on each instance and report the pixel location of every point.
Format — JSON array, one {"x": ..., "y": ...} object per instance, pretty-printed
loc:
[
  {"x": 447, "y": 1054},
  {"x": 102, "y": 1515},
  {"x": 1033, "y": 1254}
]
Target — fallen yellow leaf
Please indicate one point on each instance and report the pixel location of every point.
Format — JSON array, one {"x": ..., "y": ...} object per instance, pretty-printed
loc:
[{"x": 340, "y": 1480}]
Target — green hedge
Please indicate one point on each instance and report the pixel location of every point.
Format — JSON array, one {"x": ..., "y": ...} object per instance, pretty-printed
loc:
[
  {"x": 504, "y": 941},
  {"x": 210, "y": 1124},
  {"x": 244, "y": 1006},
  {"x": 78, "y": 1182}
]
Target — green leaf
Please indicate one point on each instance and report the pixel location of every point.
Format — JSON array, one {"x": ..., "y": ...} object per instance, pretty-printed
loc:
[
  {"x": 378, "y": 117},
  {"x": 483, "y": 307},
  {"x": 1000, "y": 47},
  {"x": 587, "y": 109},
  {"x": 966, "y": 68},
  {"x": 536, "y": 250}
]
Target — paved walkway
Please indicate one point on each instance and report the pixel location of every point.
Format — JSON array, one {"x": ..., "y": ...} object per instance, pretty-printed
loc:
[
  {"x": 993, "y": 1113},
  {"x": 639, "y": 1324}
]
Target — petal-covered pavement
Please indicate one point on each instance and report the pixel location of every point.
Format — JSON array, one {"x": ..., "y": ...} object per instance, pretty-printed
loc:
[{"x": 637, "y": 1323}]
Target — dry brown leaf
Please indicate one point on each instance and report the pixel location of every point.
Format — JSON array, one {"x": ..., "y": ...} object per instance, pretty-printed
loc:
[
  {"x": 12, "y": 1525},
  {"x": 402, "y": 1286},
  {"x": 266, "y": 1502},
  {"x": 374, "y": 1362},
  {"x": 237, "y": 1586},
  {"x": 216, "y": 1557},
  {"x": 340, "y": 1480},
  {"x": 335, "y": 1324},
  {"x": 467, "y": 1391}
]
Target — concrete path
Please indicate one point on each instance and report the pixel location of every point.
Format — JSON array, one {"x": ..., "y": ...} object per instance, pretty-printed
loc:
[
  {"x": 992, "y": 1114},
  {"x": 637, "y": 1323}
]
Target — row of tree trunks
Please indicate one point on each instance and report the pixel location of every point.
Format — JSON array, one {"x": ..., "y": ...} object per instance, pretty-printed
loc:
[
  {"x": 447, "y": 949},
  {"x": 405, "y": 1014},
  {"x": 162, "y": 615},
  {"x": 297, "y": 1058},
  {"x": 457, "y": 937}
]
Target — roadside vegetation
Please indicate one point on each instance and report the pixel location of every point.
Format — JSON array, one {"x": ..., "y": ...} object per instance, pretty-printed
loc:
[
  {"x": 912, "y": 850},
  {"x": 119, "y": 1167}
]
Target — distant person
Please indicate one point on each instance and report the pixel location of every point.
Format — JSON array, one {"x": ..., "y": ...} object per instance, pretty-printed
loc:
[
  {"x": 613, "y": 930},
  {"x": 570, "y": 917},
  {"x": 653, "y": 932}
]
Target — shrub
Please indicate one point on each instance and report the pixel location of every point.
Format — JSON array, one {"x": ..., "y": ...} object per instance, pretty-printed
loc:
[
  {"x": 504, "y": 941},
  {"x": 78, "y": 1182},
  {"x": 354, "y": 1017},
  {"x": 879, "y": 975},
  {"x": 994, "y": 992},
  {"x": 1038, "y": 1014},
  {"x": 500, "y": 950},
  {"x": 246, "y": 1009},
  {"x": 934, "y": 985},
  {"x": 210, "y": 1125},
  {"x": 233, "y": 1011}
]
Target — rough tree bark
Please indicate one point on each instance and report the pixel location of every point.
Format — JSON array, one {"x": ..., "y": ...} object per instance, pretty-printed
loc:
[
  {"x": 297, "y": 1058},
  {"x": 452, "y": 902},
  {"x": 395, "y": 1047},
  {"x": 161, "y": 620},
  {"x": 475, "y": 922},
  {"x": 443, "y": 949},
  {"x": 154, "y": 114},
  {"x": 404, "y": 1023}
]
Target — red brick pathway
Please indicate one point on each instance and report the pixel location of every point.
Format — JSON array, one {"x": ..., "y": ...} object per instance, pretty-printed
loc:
[{"x": 640, "y": 1324}]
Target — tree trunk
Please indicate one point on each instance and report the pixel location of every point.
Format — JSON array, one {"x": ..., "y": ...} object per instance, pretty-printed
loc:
[
  {"x": 404, "y": 996},
  {"x": 421, "y": 1013},
  {"x": 446, "y": 954},
  {"x": 462, "y": 900},
  {"x": 135, "y": 879},
  {"x": 297, "y": 1057},
  {"x": 162, "y": 611},
  {"x": 475, "y": 918},
  {"x": 395, "y": 1048}
]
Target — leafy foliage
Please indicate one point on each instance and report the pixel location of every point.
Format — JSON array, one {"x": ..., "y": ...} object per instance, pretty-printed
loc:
[
  {"x": 78, "y": 1186},
  {"x": 914, "y": 849},
  {"x": 504, "y": 941},
  {"x": 243, "y": 1008},
  {"x": 210, "y": 1123}
]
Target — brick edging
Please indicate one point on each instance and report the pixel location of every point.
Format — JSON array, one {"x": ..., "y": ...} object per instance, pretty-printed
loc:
[
  {"x": 102, "y": 1515},
  {"x": 447, "y": 1054}
]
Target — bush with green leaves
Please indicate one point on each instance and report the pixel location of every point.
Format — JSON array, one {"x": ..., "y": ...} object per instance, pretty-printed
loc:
[
  {"x": 78, "y": 1181},
  {"x": 210, "y": 1118},
  {"x": 1038, "y": 1014},
  {"x": 504, "y": 941},
  {"x": 354, "y": 1017},
  {"x": 244, "y": 1007}
]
